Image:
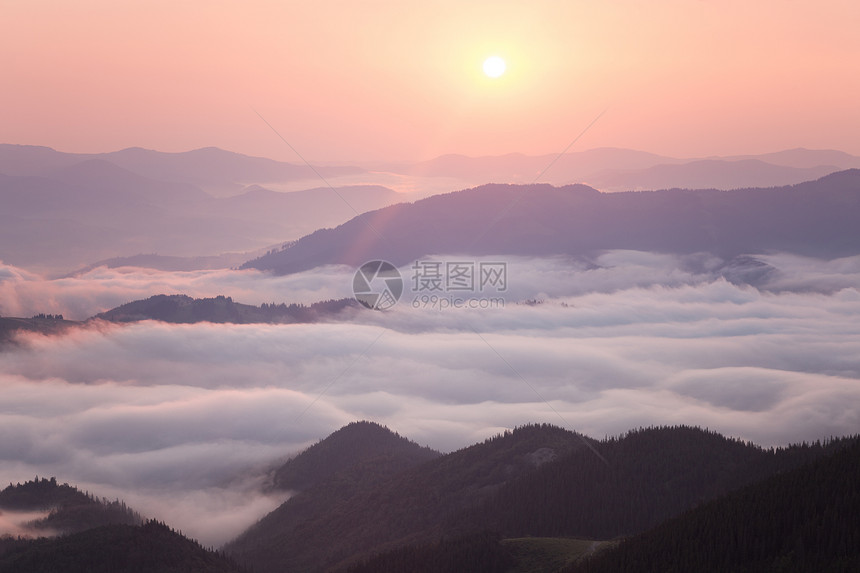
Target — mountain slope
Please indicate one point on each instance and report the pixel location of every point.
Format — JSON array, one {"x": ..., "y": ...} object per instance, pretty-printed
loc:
[
  {"x": 798, "y": 520},
  {"x": 803, "y": 520},
  {"x": 149, "y": 548},
  {"x": 536, "y": 481},
  {"x": 816, "y": 218},
  {"x": 651, "y": 475},
  {"x": 353, "y": 513},
  {"x": 356, "y": 444}
]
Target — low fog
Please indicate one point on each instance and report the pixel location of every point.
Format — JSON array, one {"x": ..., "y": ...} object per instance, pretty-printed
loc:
[
  {"x": 184, "y": 421},
  {"x": 16, "y": 523}
]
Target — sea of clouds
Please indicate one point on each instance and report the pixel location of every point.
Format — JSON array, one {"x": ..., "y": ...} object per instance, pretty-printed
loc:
[{"x": 185, "y": 421}]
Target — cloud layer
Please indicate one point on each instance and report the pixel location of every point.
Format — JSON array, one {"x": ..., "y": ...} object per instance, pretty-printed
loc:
[{"x": 182, "y": 421}]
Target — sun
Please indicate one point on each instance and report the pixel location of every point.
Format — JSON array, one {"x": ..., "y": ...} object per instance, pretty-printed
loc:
[{"x": 494, "y": 66}]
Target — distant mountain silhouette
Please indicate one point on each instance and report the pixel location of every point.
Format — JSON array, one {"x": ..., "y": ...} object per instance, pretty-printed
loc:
[
  {"x": 817, "y": 218},
  {"x": 219, "y": 171},
  {"x": 613, "y": 169},
  {"x": 10, "y": 325},
  {"x": 32, "y": 160},
  {"x": 68, "y": 210},
  {"x": 180, "y": 308},
  {"x": 170, "y": 263},
  {"x": 298, "y": 212},
  {"x": 214, "y": 170},
  {"x": 800, "y": 157},
  {"x": 112, "y": 182},
  {"x": 708, "y": 174},
  {"x": 62, "y": 211},
  {"x": 519, "y": 168},
  {"x": 183, "y": 309}
]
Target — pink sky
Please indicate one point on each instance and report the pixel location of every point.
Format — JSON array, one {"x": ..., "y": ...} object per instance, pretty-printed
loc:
[{"x": 355, "y": 81}]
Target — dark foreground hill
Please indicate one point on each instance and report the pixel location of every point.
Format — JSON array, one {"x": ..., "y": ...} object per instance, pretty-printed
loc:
[
  {"x": 818, "y": 218},
  {"x": 804, "y": 520},
  {"x": 149, "y": 548},
  {"x": 535, "y": 481},
  {"x": 800, "y": 520},
  {"x": 357, "y": 447},
  {"x": 650, "y": 476},
  {"x": 360, "y": 509}
]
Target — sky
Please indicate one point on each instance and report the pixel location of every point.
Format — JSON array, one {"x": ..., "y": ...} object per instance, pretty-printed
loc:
[
  {"x": 376, "y": 81},
  {"x": 182, "y": 421}
]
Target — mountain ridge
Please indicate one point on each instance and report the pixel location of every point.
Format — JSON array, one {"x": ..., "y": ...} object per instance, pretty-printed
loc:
[
  {"x": 338, "y": 522},
  {"x": 183, "y": 309},
  {"x": 815, "y": 218},
  {"x": 337, "y": 510},
  {"x": 98, "y": 208}
]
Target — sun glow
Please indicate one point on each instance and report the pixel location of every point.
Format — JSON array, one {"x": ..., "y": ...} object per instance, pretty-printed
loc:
[{"x": 494, "y": 66}]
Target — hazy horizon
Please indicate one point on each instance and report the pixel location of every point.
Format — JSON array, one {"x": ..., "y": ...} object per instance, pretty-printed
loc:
[
  {"x": 396, "y": 81},
  {"x": 369, "y": 164}
]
